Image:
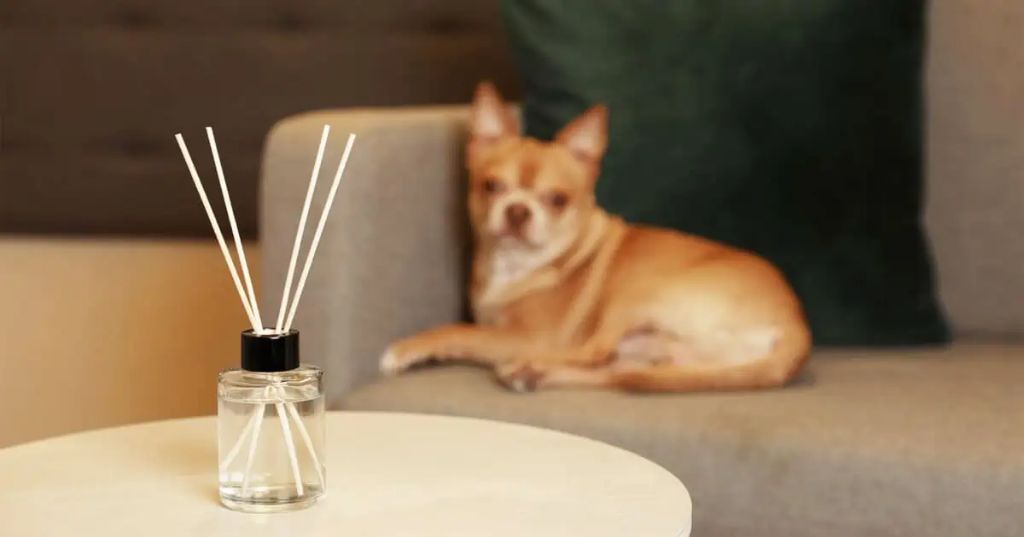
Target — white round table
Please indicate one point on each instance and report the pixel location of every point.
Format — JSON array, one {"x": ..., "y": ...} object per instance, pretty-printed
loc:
[{"x": 388, "y": 475}]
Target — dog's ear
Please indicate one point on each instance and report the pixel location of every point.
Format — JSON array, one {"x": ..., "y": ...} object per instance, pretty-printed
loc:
[
  {"x": 490, "y": 120},
  {"x": 586, "y": 137}
]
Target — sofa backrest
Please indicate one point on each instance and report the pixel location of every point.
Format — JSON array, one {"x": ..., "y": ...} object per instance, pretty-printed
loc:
[{"x": 975, "y": 162}]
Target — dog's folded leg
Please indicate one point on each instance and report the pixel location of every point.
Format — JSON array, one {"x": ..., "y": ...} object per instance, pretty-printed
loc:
[
  {"x": 527, "y": 376},
  {"x": 479, "y": 344},
  {"x": 583, "y": 366},
  {"x": 597, "y": 351}
]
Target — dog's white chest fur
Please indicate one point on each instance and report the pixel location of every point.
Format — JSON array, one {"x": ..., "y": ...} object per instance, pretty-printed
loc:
[
  {"x": 508, "y": 267},
  {"x": 506, "y": 270}
]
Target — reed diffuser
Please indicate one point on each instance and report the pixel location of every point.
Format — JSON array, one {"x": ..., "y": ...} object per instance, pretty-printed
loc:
[{"x": 262, "y": 467}]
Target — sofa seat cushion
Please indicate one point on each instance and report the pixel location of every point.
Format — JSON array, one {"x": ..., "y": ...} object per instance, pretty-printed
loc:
[{"x": 879, "y": 442}]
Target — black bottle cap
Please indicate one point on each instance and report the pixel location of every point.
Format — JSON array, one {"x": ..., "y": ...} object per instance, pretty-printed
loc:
[{"x": 270, "y": 352}]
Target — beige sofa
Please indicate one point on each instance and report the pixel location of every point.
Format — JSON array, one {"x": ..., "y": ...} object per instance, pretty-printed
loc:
[
  {"x": 881, "y": 442},
  {"x": 870, "y": 442}
]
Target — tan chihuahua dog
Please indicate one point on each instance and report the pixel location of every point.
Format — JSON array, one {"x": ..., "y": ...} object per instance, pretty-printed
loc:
[{"x": 565, "y": 295}]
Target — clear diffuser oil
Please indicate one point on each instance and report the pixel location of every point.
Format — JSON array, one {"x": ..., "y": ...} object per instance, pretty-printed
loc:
[{"x": 270, "y": 428}]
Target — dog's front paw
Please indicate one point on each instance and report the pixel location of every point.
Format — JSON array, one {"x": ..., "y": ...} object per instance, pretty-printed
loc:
[
  {"x": 389, "y": 362},
  {"x": 401, "y": 356},
  {"x": 521, "y": 376}
]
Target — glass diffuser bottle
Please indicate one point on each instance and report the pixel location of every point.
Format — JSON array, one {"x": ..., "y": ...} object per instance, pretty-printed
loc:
[
  {"x": 270, "y": 427},
  {"x": 270, "y": 417}
]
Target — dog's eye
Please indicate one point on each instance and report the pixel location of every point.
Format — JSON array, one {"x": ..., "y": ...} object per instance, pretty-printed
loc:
[
  {"x": 493, "y": 186},
  {"x": 558, "y": 200}
]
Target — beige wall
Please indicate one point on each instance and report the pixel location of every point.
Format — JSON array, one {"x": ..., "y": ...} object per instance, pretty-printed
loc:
[{"x": 96, "y": 333}]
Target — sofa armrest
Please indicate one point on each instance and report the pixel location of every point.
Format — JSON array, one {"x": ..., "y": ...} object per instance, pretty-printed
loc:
[{"x": 392, "y": 257}]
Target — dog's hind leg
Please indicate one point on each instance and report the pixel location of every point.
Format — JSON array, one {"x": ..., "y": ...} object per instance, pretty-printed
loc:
[{"x": 777, "y": 364}]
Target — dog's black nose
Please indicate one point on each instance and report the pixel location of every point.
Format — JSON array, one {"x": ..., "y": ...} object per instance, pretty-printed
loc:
[{"x": 517, "y": 215}]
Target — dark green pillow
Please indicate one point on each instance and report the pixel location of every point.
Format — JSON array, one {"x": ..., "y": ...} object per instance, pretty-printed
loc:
[{"x": 791, "y": 128}]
